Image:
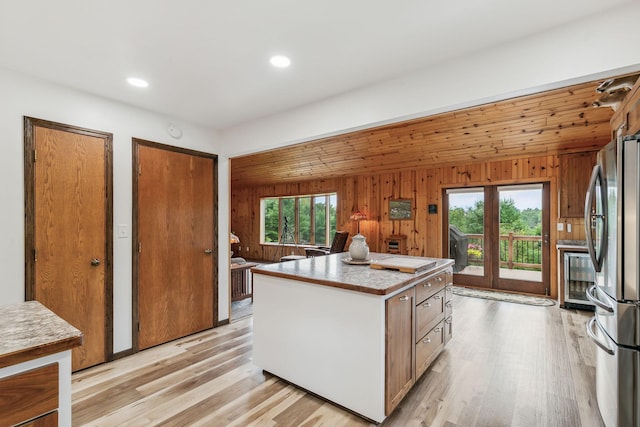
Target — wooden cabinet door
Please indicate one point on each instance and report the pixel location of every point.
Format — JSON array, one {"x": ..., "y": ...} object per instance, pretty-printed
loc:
[
  {"x": 399, "y": 344},
  {"x": 175, "y": 234},
  {"x": 575, "y": 170},
  {"x": 69, "y": 230}
]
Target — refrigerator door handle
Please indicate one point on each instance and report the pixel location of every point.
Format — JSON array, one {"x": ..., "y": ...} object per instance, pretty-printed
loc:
[
  {"x": 592, "y": 295},
  {"x": 591, "y": 218},
  {"x": 594, "y": 336}
]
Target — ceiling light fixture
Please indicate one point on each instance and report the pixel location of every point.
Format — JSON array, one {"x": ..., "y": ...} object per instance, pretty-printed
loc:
[
  {"x": 280, "y": 61},
  {"x": 137, "y": 82}
]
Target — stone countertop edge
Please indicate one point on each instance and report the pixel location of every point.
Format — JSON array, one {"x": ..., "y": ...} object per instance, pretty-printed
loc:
[
  {"x": 331, "y": 271},
  {"x": 29, "y": 330}
]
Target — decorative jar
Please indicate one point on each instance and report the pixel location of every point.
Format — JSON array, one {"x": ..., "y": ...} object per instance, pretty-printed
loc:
[{"x": 359, "y": 250}]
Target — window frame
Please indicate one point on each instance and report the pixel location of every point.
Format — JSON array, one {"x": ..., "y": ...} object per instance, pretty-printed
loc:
[{"x": 329, "y": 226}]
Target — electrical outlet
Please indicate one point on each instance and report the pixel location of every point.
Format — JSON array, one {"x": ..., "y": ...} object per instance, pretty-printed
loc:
[{"x": 561, "y": 226}]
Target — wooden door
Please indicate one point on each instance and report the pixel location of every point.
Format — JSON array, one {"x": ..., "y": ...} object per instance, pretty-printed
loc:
[
  {"x": 176, "y": 252},
  {"x": 68, "y": 230}
]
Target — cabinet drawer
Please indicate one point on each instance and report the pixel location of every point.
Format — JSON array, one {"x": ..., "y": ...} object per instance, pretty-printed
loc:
[
  {"x": 448, "y": 293},
  {"x": 428, "y": 348},
  {"x": 430, "y": 286},
  {"x": 29, "y": 394},
  {"x": 448, "y": 329},
  {"x": 429, "y": 313}
]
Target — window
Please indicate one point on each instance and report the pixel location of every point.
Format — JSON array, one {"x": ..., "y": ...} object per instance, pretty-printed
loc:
[{"x": 305, "y": 220}]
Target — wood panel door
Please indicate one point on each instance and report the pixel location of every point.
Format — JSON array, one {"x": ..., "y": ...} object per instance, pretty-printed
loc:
[
  {"x": 68, "y": 229},
  {"x": 176, "y": 246}
]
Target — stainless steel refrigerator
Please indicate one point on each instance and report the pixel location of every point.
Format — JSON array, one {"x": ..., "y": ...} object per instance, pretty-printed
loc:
[{"x": 612, "y": 215}]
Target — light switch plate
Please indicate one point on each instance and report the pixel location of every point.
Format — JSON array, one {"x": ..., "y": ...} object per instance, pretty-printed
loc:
[
  {"x": 123, "y": 231},
  {"x": 561, "y": 226}
]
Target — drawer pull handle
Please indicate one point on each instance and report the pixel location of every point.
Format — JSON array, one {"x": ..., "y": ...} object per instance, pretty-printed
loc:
[
  {"x": 427, "y": 285},
  {"x": 448, "y": 321},
  {"x": 427, "y": 340},
  {"x": 438, "y": 329},
  {"x": 404, "y": 298},
  {"x": 439, "y": 279},
  {"x": 437, "y": 297},
  {"x": 448, "y": 304},
  {"x": 426, "y": 304}
]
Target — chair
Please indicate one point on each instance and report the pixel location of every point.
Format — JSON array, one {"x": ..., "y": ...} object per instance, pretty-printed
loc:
[{"x": 337, "y": 245}]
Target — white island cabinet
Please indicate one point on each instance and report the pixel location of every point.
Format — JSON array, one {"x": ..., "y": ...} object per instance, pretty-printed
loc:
[{"x": 344, "y": 332}]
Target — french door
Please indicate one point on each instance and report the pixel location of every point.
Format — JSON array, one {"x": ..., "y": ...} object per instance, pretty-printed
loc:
[{"x": 498, "y": 236}]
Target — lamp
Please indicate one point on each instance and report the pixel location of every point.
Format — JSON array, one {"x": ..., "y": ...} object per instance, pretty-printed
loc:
[
  {"x": 358, "y": 216},
  {"x": 233, "y": 239}
]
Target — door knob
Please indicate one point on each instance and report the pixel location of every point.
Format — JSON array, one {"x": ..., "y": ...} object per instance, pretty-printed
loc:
[
  {"x": 95, "y": 262},
  {"x": 208, "y": 251}
]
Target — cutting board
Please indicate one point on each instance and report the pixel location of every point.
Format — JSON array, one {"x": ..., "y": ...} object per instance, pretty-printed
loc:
[{"x": 403, "y": 264}]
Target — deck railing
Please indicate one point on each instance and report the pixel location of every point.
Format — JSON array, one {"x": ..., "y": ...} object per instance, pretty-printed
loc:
[{"x": 516, "y": 252}]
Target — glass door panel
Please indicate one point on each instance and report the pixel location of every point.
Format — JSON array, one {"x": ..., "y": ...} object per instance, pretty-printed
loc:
[
  {"x": 521, "y": 233},
  {"x": 466, "y": 213},
  {"x": 522, "y": 237}
]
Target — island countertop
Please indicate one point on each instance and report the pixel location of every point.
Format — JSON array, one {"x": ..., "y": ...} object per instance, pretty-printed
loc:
[
  {"x": 330, "y": 270},
  {"x": 30, "y": 330}
]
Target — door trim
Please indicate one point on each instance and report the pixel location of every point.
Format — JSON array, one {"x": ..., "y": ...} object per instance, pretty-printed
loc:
[
  {"x": 135, "y": 144},
  {"x": 29, "y": 124}
]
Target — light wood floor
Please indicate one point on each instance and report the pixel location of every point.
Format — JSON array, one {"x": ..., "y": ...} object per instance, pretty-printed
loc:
[{"x": 507, "y": 365}]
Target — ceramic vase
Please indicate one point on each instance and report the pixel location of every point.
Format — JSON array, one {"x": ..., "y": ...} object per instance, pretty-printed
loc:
[{"x": 359, "y": 250}]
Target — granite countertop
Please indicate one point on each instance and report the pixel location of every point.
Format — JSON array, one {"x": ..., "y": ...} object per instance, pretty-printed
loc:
[
  {"x": 29, "y": 330},
  {"x": 331, "y": 271}
]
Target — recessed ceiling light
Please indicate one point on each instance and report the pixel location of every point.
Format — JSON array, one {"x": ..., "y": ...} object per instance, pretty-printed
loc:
[
  {"x": 280, "y": 61},
  {"x": 137, "y": 82}
]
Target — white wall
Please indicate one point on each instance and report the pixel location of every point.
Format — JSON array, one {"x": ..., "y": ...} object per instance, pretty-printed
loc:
[
  {"x": 22, "y": 96},
  {"x": 596, "y": 48}
]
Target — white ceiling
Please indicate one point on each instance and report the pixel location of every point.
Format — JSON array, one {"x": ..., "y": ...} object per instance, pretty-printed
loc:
[{"x": 207, "y": 60}]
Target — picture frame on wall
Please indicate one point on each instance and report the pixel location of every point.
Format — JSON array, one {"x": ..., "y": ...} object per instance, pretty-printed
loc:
[{"x": 400, "y": 209}]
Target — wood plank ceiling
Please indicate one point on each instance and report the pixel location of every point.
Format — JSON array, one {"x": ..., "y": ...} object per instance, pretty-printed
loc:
[{"x": 547, "y": 123}]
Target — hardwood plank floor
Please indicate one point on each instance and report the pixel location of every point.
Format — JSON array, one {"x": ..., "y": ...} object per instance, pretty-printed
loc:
[{"x": 507, "y": 365}]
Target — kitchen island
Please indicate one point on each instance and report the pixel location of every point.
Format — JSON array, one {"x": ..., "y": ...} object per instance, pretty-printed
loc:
[
  {"x": 357, "y": 336},
  {"x": 35, "y": 365}
]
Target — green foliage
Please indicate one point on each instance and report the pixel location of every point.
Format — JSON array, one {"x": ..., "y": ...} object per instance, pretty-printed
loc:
[{"x": 523, "y": 223}]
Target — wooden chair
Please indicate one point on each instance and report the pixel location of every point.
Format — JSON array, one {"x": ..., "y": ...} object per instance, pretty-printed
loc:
[{"x": 337, "y": 245}]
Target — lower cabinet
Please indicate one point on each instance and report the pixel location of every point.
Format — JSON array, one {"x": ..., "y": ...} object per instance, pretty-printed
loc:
[
  {"x": 418, "y": 325},
  {"x": 399, "y": 346},
  {"x": 30, "y": 398}
]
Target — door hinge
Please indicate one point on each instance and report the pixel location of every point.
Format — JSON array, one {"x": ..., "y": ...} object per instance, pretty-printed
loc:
[
  {"x": 139, "y": 247},
  {"x": 139, "y": 169},
  {"x": 35, "y": 255},
  {"x": 35, "y": 155}
]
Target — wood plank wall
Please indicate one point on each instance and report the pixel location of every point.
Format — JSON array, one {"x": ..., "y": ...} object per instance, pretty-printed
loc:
[{"x": 371, "y": 195}]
